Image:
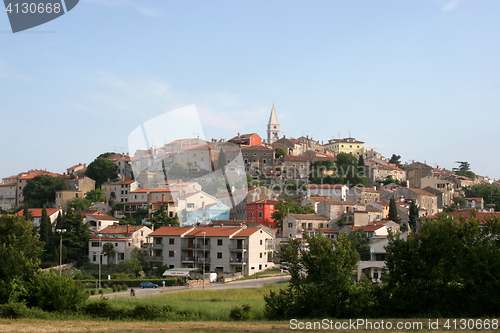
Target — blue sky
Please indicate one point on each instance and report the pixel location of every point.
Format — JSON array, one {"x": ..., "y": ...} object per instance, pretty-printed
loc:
[{"x": 417, "y": 78}]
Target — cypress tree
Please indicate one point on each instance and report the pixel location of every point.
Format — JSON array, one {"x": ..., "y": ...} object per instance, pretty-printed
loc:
[
  {"x": 45, "y": 228},
  {"x": 393, "y": 211},
  {"x": 413, "y": 216}
]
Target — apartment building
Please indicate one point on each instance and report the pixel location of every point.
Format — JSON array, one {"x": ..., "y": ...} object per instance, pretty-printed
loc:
[
  {"x": 217, "y": 249},
  {"x": 124, "y": 238}
]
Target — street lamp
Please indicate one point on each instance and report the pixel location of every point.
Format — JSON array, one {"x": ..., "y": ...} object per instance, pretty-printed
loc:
[
  {"x": 203, "y": 233},
  {"x": 100, "y": 259},
  {"x": 60, "y": 231}
]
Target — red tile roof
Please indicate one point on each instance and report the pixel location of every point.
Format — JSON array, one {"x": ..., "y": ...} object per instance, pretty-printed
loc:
[
  {"x": 171, "y": 231},
  {"x": 37, "y": 212},
  {"x": 121, "y": 229},
  {"x": 99, "y": 216},
  {"x": 213, "y": 231},
  {"x": 110, "y": 239},
  {"x": 309, "y": 217}
]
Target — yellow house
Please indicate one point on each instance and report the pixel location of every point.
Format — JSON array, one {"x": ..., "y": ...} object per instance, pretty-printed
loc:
[{"x": 347, "y": 145}]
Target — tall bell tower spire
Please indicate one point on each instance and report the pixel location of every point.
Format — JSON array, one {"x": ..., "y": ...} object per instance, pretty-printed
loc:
[{"x": 273, "y": 127}]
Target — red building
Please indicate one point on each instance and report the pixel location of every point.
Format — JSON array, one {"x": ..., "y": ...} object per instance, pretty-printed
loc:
[
  {"x": 260, "y": 211},
  {"x": 247, "y": 139}
]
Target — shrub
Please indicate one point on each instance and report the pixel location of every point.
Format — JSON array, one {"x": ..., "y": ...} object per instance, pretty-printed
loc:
[
  {"x": 101, "y": 308},
  {"x": 124, "y": 287},
  {"x": 105, "y": 286},
  {"x": 119, "y": 287},
  {"x": 114, "y": 288},
  {"x": 51, "y": 292},
  {"x": 92, "y": 292},
  {"x": 240, "y": 312},
  {"x": 13, "y": 310},
  {"x": 100, "y": 291}
]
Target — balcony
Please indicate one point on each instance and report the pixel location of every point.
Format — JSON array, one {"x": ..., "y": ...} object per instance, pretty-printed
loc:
[
  {"x": 237, "y": 261},
  {"x": 195, "y": 246},
  {"x": 236, "y": 248},
  {"x": 156, "y": 258},
  {"x": 157, "y": 246}
]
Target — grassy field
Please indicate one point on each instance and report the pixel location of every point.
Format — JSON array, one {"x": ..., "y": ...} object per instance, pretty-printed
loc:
[
  {"x": 205, "y": 304},
  {"x": 208, "y": 311},
  {"x": 27, "y": 325}
]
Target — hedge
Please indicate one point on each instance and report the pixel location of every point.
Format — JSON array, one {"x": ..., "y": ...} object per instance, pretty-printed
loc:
[{"x": 136, "y": 282}]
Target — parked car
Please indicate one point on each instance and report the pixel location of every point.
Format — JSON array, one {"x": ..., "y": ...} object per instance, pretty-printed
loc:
[{"x": 148, "y": 285}]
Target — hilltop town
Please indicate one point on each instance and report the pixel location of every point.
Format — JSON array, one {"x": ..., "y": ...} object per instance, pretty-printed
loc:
[{"x": 227, "y": 205}]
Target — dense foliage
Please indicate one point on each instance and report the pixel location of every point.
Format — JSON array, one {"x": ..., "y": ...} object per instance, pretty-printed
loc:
[
  {"x": 448, "y": 269},
  {"x": 41, "y": 190},
  {"x": 288, "y": 206},
  {"x": 102, "y": 170}
]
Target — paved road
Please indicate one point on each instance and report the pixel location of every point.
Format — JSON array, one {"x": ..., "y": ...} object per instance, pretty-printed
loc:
[{"x": 253, "y": 283}]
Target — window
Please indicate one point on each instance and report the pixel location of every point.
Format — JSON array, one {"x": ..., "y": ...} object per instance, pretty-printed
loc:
[
  {"x": 158, "y": 240},
  {"x": 219, "y": 242},
  {"x": 261, "y": 242},
  {"x": 171, "y": 254},
  {"x": 116, "y": 244},
  {"x": 264, "y": 161},
  {"x": 171, "y": 241},
  {"x": 260, "y": 215},
  {"x": 303, "y": 225},
  {"x": 219, "y": 255},
  {"x": 95, "y": 244},
  {"x": 290, "y": 225},
  {"x": 261, "y": 255},
  {"x": 94, "y": 258}
]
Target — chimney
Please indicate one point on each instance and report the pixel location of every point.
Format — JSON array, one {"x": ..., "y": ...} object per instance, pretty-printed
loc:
[
  {"x": 163, "y": 197},
  {"x": 239, "y": 136}
]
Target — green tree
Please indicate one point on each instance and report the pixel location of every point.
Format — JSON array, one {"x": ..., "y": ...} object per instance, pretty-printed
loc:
[
  {"x": 361, "y": 165},
  {"x": 464, "y": 170},
  {"x": 96, "y": 195},
  {"x": 78, "y": 204},
  {"x": 108, "y": 249},
  {"x": 449, "y": 269},
  {"x": 396, "y": 159},
  {"x": 41, "y": 190},
  {"x": 393, "y": 211},
  {"x": 222, "y": 160},
  {"x": 161, "y": 218},
  {"x": 321, "y": 283},
  {"x": 77, "y": 235},
  {"x": 50, "y": 292},
  {"x": 19, "y": 256},
  {"x": 279, "y": 153},
  {"x": 413, "y": 216},
  {"x": 348, "y": 169},
  {"x": 178, "y": 171},
  {"x": 489, "y": 192},
  {"x": 102, "y": 170},
  {"x": 360, "y": 243},
  {"x": 45, "y": 229},
  {"x": 288, "y": 206}
]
